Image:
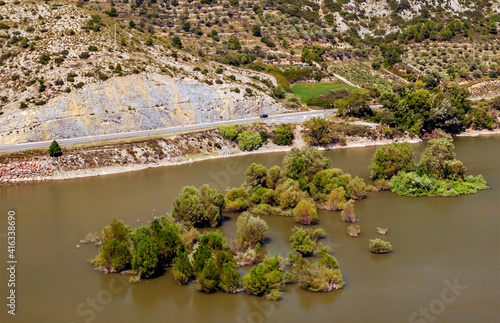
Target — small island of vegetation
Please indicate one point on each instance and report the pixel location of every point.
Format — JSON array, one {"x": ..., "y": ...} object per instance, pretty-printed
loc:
[
  {"x": 306, "y": 181},
  {"x": 211, "y": 261},
  {"x": 438, "y": 173}
]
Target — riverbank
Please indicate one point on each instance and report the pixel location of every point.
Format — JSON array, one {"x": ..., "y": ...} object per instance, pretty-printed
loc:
[{"x": 161, "y": 152}]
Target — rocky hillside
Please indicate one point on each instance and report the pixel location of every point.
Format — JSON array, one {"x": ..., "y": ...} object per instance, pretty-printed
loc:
[
  {"x": 134, "y": 102},
  {"x": 63, "y": 75}
]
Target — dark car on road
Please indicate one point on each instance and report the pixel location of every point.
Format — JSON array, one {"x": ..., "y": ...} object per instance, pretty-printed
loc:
[{"x": 263, "y": 116}]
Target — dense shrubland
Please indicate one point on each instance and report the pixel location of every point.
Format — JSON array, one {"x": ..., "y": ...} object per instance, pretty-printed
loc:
[
  {"x": 209, "y": 260},
  {"x": 305, "y": 182},
  {"x": 438, "y": 173}
]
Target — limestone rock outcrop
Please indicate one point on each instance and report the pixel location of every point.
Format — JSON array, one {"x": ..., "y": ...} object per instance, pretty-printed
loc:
[{"x": 130, "y": 103}]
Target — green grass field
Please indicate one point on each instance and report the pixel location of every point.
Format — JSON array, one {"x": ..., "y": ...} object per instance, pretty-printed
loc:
[{"x": 312, "y": 90}]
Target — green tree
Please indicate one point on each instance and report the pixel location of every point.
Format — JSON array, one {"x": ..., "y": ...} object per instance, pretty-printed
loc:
[
  {"x": 355, "y": 104},
  {"x": 229, "y": 131},
  {"x": 304, "y": 163},
  {"x": 112, "y": 12},
  {"x": 168, "y": 240},
  {"x": 256, "y": 175},
  {"x": 215, "y": 35},
  {"x": 302, "y": 241},
  {"x": 318, "y": 131},
  {"x": 439, "y": 160},
  {"x": 199, "y": 208},
  {"x": 230, "y": 278},
  {"x": 492, "y": 27},
  {"x": 283, "y": 135},
  {"x": 41, "y": 86},
  {"x": 391, "y": 53},
  {"x": 114, "y": 254},
  {"x": 183, "y": 270},
  {"x": 200, "y": 256},
  {"x": 250, "y": 231},
  {"x": 305, "y": 212},
  {"x": 274, "y": 174},
  {"x": 145, "y": 259},
  {"x": 54, "y": 149},
  {"x": 176, "y": 42},
  {"x": 377, "y": 63},
  {"x": 265, "y": 279},
  {"x": 306, "y": 56},
  {"x": 445, "y": 116},
  {"x": 249, "y": 140},
  {"x": 390, "y": 159},
  {"x": 233, "y": 43},
  {"x": 336, "y": 200},
  {"x": 208, "y": 279},
  {"x": 256, "y": 31}
]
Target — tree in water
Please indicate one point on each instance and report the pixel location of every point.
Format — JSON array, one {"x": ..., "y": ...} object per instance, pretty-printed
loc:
[
  {"x": 391, "y": 159},
  {"x": 182, "y": 268},
  {"x": 145, "y": 260},
  {"x": 305, "y": 212}
]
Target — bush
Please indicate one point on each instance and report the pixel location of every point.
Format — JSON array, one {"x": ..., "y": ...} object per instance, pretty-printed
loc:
[
  {"x": 249, "y": 140},
  {"x": 390, "y": 159},
  {"x": 44, "y": 58},
  {"x": 380, "y": 246},
  {"x": 114, "y": 254},
  {"x": 112, "y": 12},
  {"x": 250, "y": 231},
  {"x": 208, "y": 279},
  {"x": 274, "y": 174},
  {"x": 145, "y": 260},
  {"x": 229, "y": 131},
  {"x": 327, "y": 99},
  {"x": 236, "y": 200},
  {"x": 324, "y": 276},
  {"x": 305, "y": 212},
  {"x": 256, "y": 175},
  {"x": 438, "y": 160},
  {"x": 233, "y": 43},
  {"x": 55, "y": 149},
  {"x": 84, "y": 55},
  {"x": 283, "y": 135},
  {"x": 336, "y": 200},
  {"x": 176, "y": 42},
  {"x": 412, "y": 184},
  {"x": 229, "y": 278},
  {"x": 200, "y": 208},
  {"x": 318, "y": 131},
  {"x": 182, "y": 268},
  {"x": 303, "y": 163},
  {"x": 348, "y": 214},
  {"x": 266, "y": 279},
  {"x": 303, "y": 241}
]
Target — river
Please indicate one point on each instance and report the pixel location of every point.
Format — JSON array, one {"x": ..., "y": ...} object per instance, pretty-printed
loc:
[{"x": 444, "y": 268}]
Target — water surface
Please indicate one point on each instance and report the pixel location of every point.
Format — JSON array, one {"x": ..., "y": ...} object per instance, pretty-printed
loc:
[{"x": 436, "y": 241}]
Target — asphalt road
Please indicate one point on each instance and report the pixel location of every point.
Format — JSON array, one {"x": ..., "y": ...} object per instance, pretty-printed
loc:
[
  {"x": 280, "y": 118},
  {"x": 296, "y": 117}
]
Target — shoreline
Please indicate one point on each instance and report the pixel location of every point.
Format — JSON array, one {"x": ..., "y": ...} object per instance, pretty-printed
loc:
[
  {"x": 110, "y": 170},
  {"x": 58, "y": 175},
  {"x": 477, "y": 133}
]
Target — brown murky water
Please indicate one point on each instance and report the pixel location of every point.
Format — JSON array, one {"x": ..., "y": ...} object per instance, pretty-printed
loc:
[{"x": 438, "y": 242}]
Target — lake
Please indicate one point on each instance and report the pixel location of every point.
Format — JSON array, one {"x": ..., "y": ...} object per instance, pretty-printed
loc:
[{"x": 444, "y": 268}]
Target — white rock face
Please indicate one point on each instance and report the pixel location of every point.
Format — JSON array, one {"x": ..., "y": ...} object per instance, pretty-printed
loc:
[{"x": 134, "y": 102}]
